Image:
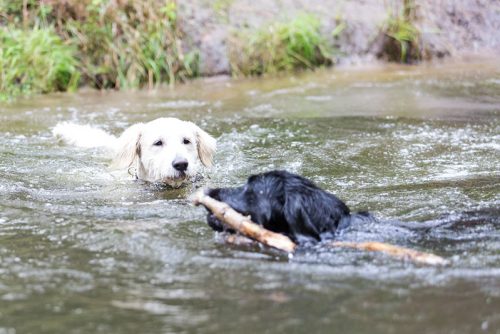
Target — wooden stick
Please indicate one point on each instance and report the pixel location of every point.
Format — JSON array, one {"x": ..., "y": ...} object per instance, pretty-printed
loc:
[
  {"x": 243, "y": 224},
  {"x": 394, "y": 251},
  {"x": 247, "y": 228}
]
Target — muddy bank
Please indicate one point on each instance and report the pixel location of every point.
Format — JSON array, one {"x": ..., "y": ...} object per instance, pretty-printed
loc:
[{"x": 446, "y": 28}]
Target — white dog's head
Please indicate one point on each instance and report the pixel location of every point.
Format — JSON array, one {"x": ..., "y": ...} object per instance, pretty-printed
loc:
[{"x": 165, "y": 150}]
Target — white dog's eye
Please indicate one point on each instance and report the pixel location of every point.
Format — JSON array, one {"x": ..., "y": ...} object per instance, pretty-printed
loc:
[
  {"x": 186, "y": 141},
  {"x": 158, "y": 143}
]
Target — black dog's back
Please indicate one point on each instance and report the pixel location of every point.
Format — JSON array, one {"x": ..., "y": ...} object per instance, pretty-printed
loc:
[
  {"x": 290, "y": 204},
  {"x": 311, "y": 212}
]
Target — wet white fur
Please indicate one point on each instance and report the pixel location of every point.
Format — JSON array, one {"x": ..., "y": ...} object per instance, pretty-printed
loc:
[
  {"x": 135, "y": 147},
  {"x": 84, "y": 135}
]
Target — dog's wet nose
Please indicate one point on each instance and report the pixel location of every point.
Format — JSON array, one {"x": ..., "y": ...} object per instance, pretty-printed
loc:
[{"x": 181, "y": 165}]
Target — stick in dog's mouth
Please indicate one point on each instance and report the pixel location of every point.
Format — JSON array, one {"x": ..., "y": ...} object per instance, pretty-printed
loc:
[{"x": 244, "y": 225}]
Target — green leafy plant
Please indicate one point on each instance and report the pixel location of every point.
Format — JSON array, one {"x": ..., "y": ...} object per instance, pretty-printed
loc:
[
  {"x": 130, "y": 44},
  {"x": 403, "y": 43},
  {"x": 115, "y": 44},
  {"x": 35, "y": 61},
  {"x": 281, "y": 46}
]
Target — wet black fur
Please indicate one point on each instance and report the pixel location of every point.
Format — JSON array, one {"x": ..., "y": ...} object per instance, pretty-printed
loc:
[{"x": 289, "y": 204}]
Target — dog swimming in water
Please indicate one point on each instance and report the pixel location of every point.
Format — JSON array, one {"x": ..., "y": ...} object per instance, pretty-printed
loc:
[
  {"x": 289, "y": 204},
  {"x": 166, "y": 150},
  {"x": 292, "y": 205}
]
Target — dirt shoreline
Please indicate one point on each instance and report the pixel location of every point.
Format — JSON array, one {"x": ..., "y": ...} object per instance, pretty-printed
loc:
[{"x": 448, "y": 28}]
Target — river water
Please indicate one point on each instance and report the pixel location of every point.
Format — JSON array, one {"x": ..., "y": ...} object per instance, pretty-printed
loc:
[{"x": 83, "y": 250}]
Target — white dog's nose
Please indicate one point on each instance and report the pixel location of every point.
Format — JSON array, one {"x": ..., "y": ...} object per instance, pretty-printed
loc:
[{"x": 180, "y": 164}]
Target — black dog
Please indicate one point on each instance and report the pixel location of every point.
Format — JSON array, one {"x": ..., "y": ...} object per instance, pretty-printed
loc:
[{"x": 289, "y": 204}]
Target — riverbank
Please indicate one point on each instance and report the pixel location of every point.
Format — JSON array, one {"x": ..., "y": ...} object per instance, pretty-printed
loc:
[
  {"x": 60, "y": 46},
  {"x": 359, "y": 31}
]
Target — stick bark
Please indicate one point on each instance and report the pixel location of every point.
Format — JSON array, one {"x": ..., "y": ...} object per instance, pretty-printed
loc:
[
  {"x": 243, "y": 224},
  {"x": 247, "y": 228},
  {"x": 394, "y": 251}
]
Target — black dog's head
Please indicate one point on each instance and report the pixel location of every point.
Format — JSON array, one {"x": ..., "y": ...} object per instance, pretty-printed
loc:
[{"x": 285, "y": 203}]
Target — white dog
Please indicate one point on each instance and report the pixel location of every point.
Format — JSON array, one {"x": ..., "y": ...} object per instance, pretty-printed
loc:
[{"x": 165, "y": 150}]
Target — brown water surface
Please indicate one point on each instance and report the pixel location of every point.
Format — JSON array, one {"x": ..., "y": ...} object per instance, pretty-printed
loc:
[{"x": 83, "y": 251}]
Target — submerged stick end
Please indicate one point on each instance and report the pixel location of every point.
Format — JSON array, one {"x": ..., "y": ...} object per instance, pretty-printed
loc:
[
  {"x": 433, "y": 260},
  {"x": 287, "y": 246},
  {"x": 396, "y": 251}
]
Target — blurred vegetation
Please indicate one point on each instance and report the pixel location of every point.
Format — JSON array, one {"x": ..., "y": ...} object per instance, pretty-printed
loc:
[
  {"x": 221, "y": 9},
  {"x": 280, "y": 46},
  {"x": 37, "y": 61},
  {"x": 402, "y": 42},
  {"x": 101, "y": 43},
  {"x": 50, "y": 45}
]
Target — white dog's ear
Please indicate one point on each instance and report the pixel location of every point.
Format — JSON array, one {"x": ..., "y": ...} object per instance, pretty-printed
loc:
[
  {"x": 128, "y": 147},
  {"x": 206, "y": 145}
]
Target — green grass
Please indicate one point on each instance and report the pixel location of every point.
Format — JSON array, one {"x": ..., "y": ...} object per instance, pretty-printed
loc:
[
  {"x": 403, "y": 43},
  {"x": 35, "y": 61},
  {"x": 405, "y": 34},
  {"x": 281, "y": 46},
  {"x": 107, "y": 44},
  {"x": 133, "y": 44}
]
